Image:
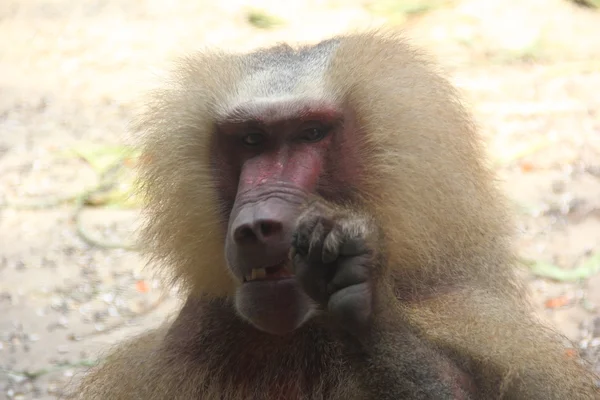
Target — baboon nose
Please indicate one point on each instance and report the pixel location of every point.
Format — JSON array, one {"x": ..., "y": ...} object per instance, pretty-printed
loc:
[{"x": 263, "y": 231}]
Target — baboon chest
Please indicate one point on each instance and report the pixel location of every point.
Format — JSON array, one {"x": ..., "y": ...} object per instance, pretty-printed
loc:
[{"x": 300, "y": 373}]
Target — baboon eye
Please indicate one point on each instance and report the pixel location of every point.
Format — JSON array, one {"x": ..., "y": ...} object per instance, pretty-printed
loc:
[
  {"x": 254, "y": 139},
  {"x": 313, "y": 134}
]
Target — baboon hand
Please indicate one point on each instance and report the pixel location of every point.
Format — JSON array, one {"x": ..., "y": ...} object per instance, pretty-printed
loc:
[{"x": 333, "y": 256}]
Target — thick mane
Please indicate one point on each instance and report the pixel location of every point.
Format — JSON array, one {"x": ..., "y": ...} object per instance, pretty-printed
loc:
[
  {"x": 400, "y": 83},
  {"x": 462, "y": 200},
  {"x": 174, "y": 132}
]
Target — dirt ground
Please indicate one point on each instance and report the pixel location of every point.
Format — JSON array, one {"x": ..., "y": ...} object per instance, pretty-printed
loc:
[{"x": 71, "y": 71}]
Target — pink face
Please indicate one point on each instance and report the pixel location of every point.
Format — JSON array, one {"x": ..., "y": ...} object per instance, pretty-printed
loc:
[
  {"x": 289, "y": 152},
  {"x": 268, "y": 160}
]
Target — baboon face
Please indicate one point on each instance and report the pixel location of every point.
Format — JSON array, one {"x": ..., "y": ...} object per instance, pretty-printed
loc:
[{"x": 271, "y": 158}]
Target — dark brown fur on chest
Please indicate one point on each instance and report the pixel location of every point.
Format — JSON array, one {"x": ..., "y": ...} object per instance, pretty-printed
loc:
[{"x": 309, "y": 363}]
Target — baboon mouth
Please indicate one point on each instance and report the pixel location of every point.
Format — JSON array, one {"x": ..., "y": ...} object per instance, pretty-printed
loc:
[{"x": 275, "y": 272}]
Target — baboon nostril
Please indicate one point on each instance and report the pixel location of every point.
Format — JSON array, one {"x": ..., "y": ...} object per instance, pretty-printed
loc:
[{"x": 244, "y": 234}]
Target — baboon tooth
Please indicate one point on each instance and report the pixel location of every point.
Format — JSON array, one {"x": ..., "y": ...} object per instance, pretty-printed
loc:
[{"x": 258, "y": 273}]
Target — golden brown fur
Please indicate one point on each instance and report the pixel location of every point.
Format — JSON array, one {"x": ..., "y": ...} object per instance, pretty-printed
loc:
[{"x": 446, "y": 230}]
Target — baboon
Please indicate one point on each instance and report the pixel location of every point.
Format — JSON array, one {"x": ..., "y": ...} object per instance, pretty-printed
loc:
[{"x": 329, "y": 214}]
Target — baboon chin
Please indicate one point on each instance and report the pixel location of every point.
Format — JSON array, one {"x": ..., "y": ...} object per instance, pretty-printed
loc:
[{"x": 328, "y": 211}]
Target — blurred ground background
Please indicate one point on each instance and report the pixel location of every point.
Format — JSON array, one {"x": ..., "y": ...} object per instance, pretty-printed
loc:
[{"x": 71, "y": 70}]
